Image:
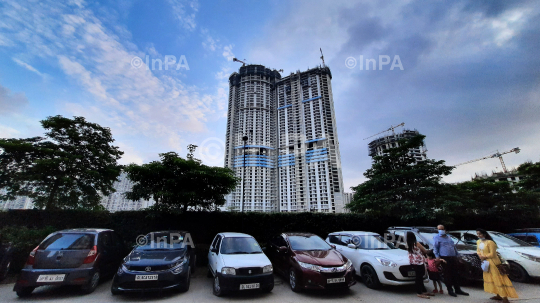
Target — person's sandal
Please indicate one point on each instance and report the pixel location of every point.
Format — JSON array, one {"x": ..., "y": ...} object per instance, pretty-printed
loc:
[
  {"x": 496, "y": 298},
  {"x": 423, "y": 297},
  {"x": 441, "y": 291},
  {"x": 428, "y": 294}
]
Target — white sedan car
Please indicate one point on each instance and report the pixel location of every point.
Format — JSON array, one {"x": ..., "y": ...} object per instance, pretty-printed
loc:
[
  {"x": 237, "y": 263},
  {"x": 523, "y": 257},
  {"x": 376, "y": 261}
]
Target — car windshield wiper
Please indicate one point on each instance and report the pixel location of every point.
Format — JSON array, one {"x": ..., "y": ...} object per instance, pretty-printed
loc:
[
  {"x": 256, "y": 252},
  {"x": 157, "y": 249},
  {"x": 238, "y": 253}
]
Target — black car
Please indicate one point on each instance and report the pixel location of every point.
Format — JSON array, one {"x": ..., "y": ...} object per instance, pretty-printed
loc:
[
  {"x": 469, "y": 265},
  {"x": 162, "y": 260},
  {"x": 71, "y": 257}
]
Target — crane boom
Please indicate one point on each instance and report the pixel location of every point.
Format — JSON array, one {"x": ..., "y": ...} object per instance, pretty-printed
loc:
[
  {"x": 390, "y": 129},
  {"x": 236, "y": 60},
  {"x": 495, "y": 155}
]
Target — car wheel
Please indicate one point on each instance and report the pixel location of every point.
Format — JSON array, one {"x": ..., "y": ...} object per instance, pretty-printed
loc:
[
  {"x": 193, "y": 265},
  {"x": 293, "y": 280},
  {"x": 5, "y": 272},
  {"x": 209, "y": 273},
  {"x": 185, "y": 286},
  {"x": 25, "y": 292},
  {"x": 517, "y": 273},
  {"x": 216, "y": 289},
  {"x": 92, "y": 284},
  {"x": 369, "y": 277}
]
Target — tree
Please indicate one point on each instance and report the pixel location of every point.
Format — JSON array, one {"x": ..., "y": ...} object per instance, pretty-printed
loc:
[
  {"x": 68, "y": 168},
  {"x": 531, "y": 181},
  {"x": 177, "y": 182},
  {"x": 397, "y": 185}
]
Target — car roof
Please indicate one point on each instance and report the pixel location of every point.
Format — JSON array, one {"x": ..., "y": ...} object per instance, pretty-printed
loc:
[
  {"x": 235, "y": 235},
  {"x": 168, "y": 232},
  {"x": 84, "y": 230},
  {"x": 370, "y": 233},
  {"x": 300, "y": 234},
  {"x": 419, "y": 228}
]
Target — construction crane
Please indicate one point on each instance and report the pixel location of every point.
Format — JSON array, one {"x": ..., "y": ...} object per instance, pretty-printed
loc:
[
  {"x": 495, "y": 155},
  {"x": 236, "y": 60},
  {"x": 390, "y": 129},
  {"x": 322, "y": 57}
]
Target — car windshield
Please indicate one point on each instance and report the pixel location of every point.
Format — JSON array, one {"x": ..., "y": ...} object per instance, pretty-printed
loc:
[
  {"x": 507, "y": 241},
  {"x": 240, "y": 245},
  {"x": 428, "y": 236},
  {"x": 68, "y": 241},
  {"x": 163, "y": 241},
  {"x": 373, "y": 242},
  {"x": 308, "y": 243}
]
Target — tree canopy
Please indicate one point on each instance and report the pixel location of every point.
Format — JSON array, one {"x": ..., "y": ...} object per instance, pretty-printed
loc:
[
  {"x": 183, "y": 183},
  {"x": 70, "y": 167},
  {"x": 398, "y": 185},
  {"x": 531, "y": 171}
]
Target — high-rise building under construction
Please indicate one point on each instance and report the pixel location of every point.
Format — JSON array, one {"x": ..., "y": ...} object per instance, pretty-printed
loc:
[{"x": 289, "y": 160}]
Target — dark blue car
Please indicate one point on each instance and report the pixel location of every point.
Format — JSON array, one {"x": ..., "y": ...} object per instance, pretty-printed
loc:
[{"x": 529, "y": 235}]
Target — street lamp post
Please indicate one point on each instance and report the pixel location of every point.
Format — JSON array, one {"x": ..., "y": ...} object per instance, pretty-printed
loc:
[{"x": 244, "y": 138}]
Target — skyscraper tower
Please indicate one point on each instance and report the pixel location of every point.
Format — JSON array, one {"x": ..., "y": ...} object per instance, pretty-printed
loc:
[
  {"x": 379, "y": 146},
  {"x": 291, "y": 156}
]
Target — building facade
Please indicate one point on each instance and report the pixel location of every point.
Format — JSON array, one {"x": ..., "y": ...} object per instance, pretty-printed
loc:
[
  {"x": 292, "y": 160},
  {"x": 379, "y": 146},
  {"x": 117, "y": 202}
]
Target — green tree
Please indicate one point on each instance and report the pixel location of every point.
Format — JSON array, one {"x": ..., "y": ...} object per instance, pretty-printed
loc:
[
  {"x": 397, "y": 185},
  {"x": 67, "y": 168},
  {"x": 179, "y": 183},
  {"x": 531, "y": 181}
]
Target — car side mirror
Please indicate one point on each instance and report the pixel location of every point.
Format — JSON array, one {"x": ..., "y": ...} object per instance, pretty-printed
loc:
[
  {"x": 282, "y": 249},
  {"x": 350, "y": 245},
  {"x": 333, "y": 246},
  {"x": 213, "y": 249}
]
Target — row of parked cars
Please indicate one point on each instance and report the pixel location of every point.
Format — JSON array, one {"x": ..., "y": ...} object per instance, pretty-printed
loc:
[{"x": 236, "y": 262}]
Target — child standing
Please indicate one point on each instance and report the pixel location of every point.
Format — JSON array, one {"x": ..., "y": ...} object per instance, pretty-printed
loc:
[{"x": 434, "y": 271}]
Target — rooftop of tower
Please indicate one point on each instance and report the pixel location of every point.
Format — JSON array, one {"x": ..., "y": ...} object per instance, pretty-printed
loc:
[
  {"x": 316, "y": 70},
  {"x": 253, "y": 69}
]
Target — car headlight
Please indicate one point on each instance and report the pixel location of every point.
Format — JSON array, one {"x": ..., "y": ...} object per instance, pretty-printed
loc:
[
  {"x": 268, "y": 268},
  {"x": 122, "y": 269},
  {"x": 310, "y": 266},
  {"x": 348, "y": 264},
  {"x": 386, "y": 262},
  {"x": 228, "y": 271},
  {"x": 178, "y": 266},
  {"x": 529, "y": 257}
]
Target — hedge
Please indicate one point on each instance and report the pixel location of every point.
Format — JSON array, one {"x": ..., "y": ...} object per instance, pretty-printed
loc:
[{"x": 203, "y": 226}]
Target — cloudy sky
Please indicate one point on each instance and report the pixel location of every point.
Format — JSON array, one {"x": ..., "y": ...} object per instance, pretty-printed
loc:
[{"x": 470, "y": 80}]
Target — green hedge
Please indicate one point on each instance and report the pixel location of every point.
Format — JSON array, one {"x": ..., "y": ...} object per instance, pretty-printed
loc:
[{"x": 203, "y": 226}]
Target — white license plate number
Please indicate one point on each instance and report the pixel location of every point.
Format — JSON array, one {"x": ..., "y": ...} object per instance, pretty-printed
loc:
[
  {"x": 146, "y": 277},
  {"x": 51, "y": 278},
  {"x": 335, "y": 280},
  {"x": 412, "y": 274},
  {"x": 250, "y": 286}
]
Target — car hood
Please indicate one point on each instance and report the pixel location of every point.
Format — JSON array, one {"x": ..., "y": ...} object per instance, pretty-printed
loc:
[
  {"x": 396, "y": 255},
  {"x": 320, "y": 257},
  {"x": 466, "y": 248},
  {"x": 532, "y": 250},
  {"x": 149, "y": 257},
  {"x": 245, "y": 260}
]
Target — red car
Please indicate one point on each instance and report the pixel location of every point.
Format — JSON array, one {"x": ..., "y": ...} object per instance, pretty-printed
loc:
[{"x": 309, "y": 262}]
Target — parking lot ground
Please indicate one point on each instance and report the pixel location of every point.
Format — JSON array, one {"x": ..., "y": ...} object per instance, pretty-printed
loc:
[{"x": 201, "y": 291}]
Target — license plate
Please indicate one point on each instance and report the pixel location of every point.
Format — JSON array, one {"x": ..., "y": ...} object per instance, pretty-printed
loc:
[
  {"x": 335, "y": 280},
  {"x": 146, "y": 277},
  {"x": 51, "y": 278},
  {"x": 250, "y": 286},
  {"x": 412, "y": 273}
]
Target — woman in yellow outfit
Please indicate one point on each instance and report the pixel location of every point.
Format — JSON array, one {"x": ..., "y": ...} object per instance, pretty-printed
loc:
[{"x": 494, "y": 282}]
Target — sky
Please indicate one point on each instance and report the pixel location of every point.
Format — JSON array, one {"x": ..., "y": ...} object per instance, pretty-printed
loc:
[{"x": 466, "y": 74}]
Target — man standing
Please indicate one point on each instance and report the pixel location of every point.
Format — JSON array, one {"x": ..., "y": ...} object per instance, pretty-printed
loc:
[{"x": 444, "y": 248}]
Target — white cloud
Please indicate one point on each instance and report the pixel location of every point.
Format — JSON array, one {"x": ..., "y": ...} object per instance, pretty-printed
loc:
[
  {"x": 8, "y": 132},
  {"x": 28, "y": 67},
  {"x": 11, "y": 102},
  {"x": 185, "y": 12}
]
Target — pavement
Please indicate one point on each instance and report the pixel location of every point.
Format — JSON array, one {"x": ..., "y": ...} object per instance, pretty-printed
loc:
[{"x": 201, "y": 291}]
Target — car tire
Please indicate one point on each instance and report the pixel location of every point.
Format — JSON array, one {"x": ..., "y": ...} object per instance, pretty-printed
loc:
[
  {"x": 185, "y": 286},
  {"x": 92, "y": 283},
  {"x": 369, "y": 277},
  {"x": 518, "y": 273},
  {"x": 193, "y": 265},
  {"x": 5, "y": 271},
  {"x": 25, "y": 292},
  {"x": 293, "y": 280},
  {"x": 268, "y": 288},
  {"x": 216, "y": 287},
  {"x": 209, "y": 273}
]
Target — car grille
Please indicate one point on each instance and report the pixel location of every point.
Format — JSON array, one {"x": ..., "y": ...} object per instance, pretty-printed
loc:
[
  {"x": 329, "y": 275},
  {"x": 146, "y": 284},
  {"x": 248, "y": 271},
  {"x": 152, "y": 268},
  {"x": 404, "y": 270}
]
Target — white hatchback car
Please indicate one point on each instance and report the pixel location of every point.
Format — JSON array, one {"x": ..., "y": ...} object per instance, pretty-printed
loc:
[
  {"x": 523, "y": 257},
  {"x": 237, "y": 262},
  {"x": 376, "y": 261}
]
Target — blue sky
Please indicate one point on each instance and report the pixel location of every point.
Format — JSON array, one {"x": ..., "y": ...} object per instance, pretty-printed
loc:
[{"x": 470, "y": 80}]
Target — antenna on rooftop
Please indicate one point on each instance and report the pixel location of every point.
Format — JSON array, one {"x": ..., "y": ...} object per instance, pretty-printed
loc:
[{"x": 322, "y": 57}]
